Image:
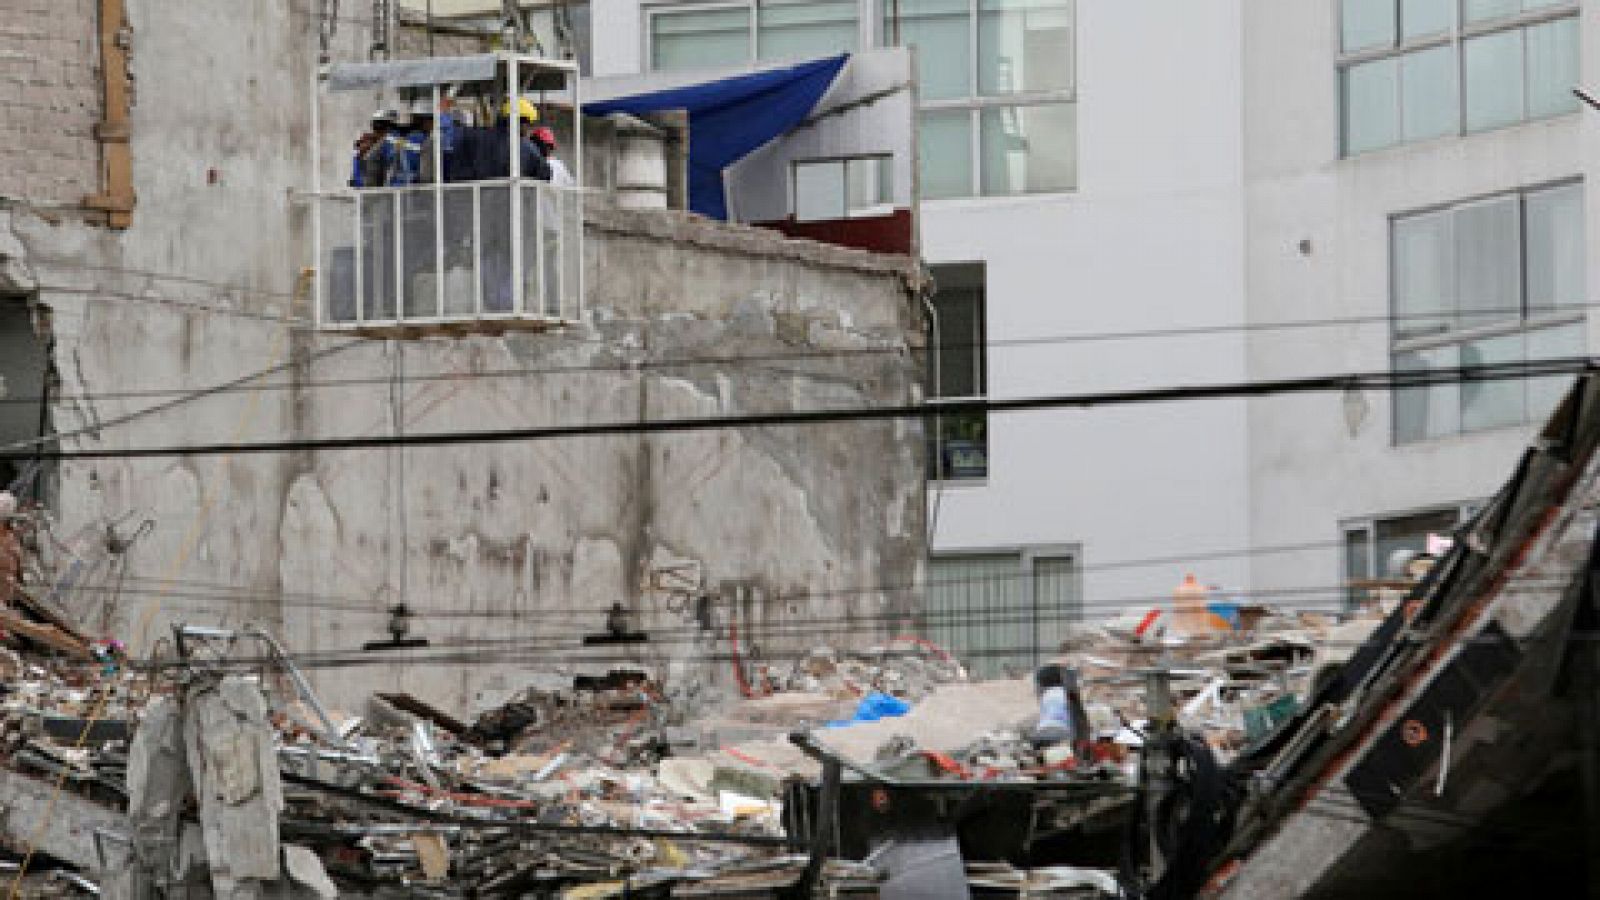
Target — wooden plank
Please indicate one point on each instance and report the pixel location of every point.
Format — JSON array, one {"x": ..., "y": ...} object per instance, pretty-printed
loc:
[{"x": 48, "y": 635}]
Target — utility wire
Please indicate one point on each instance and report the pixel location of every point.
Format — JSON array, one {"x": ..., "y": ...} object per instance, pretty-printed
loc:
[
  {"x": 1374, "y": 381},
  {"x": 725, "y": 360},
  {"x": 217, "y": 591}
]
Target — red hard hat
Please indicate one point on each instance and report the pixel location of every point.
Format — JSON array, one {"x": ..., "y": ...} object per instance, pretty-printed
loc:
[{"x": 544, "y": 135}]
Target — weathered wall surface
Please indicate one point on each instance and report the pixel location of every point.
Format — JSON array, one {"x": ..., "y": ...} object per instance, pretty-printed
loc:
[{"x": 523, "y": 544}]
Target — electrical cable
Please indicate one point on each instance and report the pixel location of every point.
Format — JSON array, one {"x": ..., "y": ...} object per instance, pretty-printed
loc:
[
  {"x": 1375, "y": 381},
  {"x": 722, "y": 360}
]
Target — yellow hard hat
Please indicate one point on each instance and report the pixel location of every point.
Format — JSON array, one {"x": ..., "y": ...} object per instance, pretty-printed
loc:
[{"x": 526, "y": 111}]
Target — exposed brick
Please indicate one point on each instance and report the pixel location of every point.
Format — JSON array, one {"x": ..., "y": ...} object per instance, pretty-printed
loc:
[{"x": 49, "y": 100}]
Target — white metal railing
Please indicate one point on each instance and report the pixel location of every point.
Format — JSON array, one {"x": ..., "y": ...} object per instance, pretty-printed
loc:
[{"x": 504, "y": 249}]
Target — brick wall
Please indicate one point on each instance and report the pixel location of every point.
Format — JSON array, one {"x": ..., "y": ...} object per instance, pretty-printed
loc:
[{"x": 49, "y": 100}]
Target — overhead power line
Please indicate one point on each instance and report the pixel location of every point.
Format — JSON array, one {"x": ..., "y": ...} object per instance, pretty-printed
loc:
[
  {"x": 764, "y": 359},
  {"x": 1373, "y": 381}
]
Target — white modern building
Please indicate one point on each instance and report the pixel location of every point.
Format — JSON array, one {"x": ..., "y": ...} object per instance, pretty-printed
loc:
[
  {"x": 1117, "y": 195},
  {"x": 1415, "y": 169}
]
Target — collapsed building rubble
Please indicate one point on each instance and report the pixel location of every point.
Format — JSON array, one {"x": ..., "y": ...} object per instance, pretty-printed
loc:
[
  {"x": 215, "y": 770},
  {"x": 1265, "y": 753}
]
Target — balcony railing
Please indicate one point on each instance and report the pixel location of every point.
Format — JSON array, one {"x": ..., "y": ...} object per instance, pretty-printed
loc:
[{"x": 509, "y": 250}]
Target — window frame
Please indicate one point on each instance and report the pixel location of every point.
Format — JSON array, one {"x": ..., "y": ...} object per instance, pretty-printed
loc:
[
  {"x": 977, "y": 102},
  {"x": 1528, "y": 320},
  {"x": 865, "y": 212},
  {"x": 650, "y": 11},
  {"x": 1027, "y": 558},
  {"x": 1458, "y": 35},
  {"x": 1465, "y": 510},
  {"x": 935, "y": 374}
]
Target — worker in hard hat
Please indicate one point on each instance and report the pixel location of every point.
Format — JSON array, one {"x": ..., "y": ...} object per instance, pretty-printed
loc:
[
  {"x": 370, "y": 165},
  {"x": 534, "y": 164},
  {"x": 443, "y": 127},
  {"x": 550, "y": 219},
  {"x": 546, "y": 141}
]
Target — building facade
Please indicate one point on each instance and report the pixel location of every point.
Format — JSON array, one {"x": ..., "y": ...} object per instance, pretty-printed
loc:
[
  {"x": 1081, "y": 187},
  {"x": 1416, "y": 199}
]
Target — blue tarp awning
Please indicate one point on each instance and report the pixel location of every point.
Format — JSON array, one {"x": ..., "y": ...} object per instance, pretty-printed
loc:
[{"x": 731, "y": 117}]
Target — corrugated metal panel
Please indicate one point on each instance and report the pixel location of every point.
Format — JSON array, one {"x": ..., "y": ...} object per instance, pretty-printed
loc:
[
  {"x": 969, "y": 600},
  {"x": 1056, "y": 598},
  {"x": 995, "y": 613}
]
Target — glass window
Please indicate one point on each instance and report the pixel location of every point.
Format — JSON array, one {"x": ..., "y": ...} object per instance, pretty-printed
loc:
[
  {"x": 805, "y": 29},
  {"x": 870, "y": 182},
  {"x": 1514, "y": 263},
  {"x": 1492, "y": 404},
  {"x": 1487, "y": 71},
  {"x": 944, "y": 147},
  {"x": 1481, "y": 10},
  {"x": 1424, "y": 18},
  {"x": 1029, "y": 149},
  {"x": 1492, "y": 72},
  {"x": 1357, "y": 558},
  {"x": 1024, "y": 45},
  {"x": 1428, "y": 102},
  {"x": 819, "y": 190},
  {"x": 1364, "y": 24},
  {"x": 939, "y": 29},
  {"x": 1371, "y": 105},
  {"x": 960, "y": 442},
  {"x": 699, "y": 38},
  {"x": 1410, "y": 534},
  {"x": 836, "y": 188},
  {"x": 1424, "y": 274},
  {"x": 1429, "y": 411},
  {"x": 1561, "y": 342},
  {"x": 1488, "y": 261},
  {"x": 1555, "y": 247},
  {"x": 1552, "y": 68}
]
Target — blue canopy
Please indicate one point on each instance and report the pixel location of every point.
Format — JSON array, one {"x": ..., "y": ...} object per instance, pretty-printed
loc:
[{"x": 731, "y": 117}]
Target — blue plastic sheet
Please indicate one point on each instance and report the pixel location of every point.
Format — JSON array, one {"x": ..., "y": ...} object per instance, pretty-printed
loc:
[
  {"x": 874, "y": 706},
  {"x": 731, "y": 117}
]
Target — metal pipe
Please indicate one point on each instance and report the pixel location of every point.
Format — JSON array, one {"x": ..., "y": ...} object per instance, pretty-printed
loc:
[
  {"x": 397, "y": 294},
  {"x": 514, "y": 98},
  {"x": 319, "y": 277},
  {"x": 360, "y": 263},
  {"x": 477, "y": 250},
  {"x": 438, "y": 188},
  {"x": 300, "y": 683},
  {"x": 577, "y": 195}
]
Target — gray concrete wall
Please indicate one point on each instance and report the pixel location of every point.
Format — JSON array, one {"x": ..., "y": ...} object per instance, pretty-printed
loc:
[{"x": 523, "y": 544}]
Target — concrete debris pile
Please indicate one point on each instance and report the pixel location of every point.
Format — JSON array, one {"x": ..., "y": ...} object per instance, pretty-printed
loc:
[
  {"x": 219, "y": 773},
  {"x": 216, "y": 771},
  {"x": 908, "y": 668}
]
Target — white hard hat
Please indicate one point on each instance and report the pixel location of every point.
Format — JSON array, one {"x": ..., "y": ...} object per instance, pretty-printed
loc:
[{"x": 8, "y": 504}]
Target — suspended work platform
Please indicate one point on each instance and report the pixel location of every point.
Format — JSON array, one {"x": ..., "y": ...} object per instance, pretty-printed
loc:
[{"x": 442, "y": 253}]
